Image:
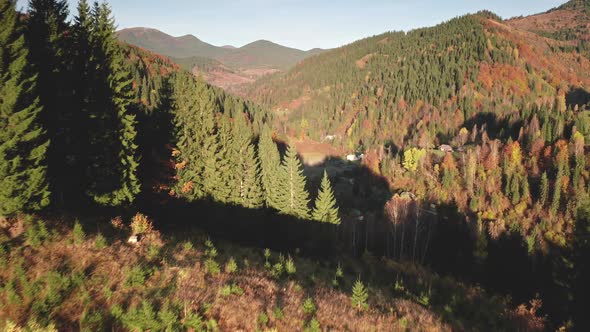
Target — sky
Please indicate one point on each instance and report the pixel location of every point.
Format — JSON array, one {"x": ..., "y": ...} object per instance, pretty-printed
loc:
[{"x": 302, "y": 24}]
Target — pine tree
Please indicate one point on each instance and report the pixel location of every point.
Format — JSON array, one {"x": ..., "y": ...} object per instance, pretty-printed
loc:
[
  {"x": 325, "y": 204},
  {"x": 23, "y": 145},
  {"x": 113, "y": 160},
  {"x": 50, "y": 54},
  {"x": 359, "y": 296},
  {"x": 294, "y": 198},
  {"x": 270, "y": 161}
]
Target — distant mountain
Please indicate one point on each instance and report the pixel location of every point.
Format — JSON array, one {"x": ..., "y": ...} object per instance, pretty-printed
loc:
[
  {"x": 257, "y": 55},
  {"x": 227, "y": 66},
  {"x": 264, "y": 53},
  {"x": 177, "y": 47}
]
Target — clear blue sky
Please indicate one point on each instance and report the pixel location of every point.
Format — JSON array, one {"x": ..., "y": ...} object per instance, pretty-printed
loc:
[{"x": 302, "y": 24}]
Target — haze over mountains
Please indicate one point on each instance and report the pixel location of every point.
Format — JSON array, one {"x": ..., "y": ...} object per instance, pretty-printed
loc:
[{"x": 225, "y": 66}]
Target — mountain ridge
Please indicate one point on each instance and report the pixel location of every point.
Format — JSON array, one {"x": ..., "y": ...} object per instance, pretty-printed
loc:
[{"x": 188, "y": 46}]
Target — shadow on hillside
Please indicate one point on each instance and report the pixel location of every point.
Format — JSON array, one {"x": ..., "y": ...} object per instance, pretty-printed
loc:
[
  {"x": 359, "y": 193},
  {"x": 495, "y": 128},
  {"x": 577, "y": 96}
]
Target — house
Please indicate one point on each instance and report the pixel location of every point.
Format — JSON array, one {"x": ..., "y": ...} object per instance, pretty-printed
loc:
[
  {"x": 445, "y": 148},
  {"x": 355, "y": 157}
]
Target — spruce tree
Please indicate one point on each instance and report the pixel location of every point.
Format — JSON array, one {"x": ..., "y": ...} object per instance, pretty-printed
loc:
[
  {"x": 325, "y": 204},
  {"x": 188, "y": 124},
  {"x": 245, "y": 169},
  {"x": 251, "y": 194},
  {"x": 224, "y": 189},
  {"x": 113, "y": 160},
  {"x": 359, "y": 296},
  {"x": 50, "y": 54},
  {"x": 208, "y": 135},
  {"x": 23, "y": 145},
  {"x": 293, "y": 197},
  {"x": 270, "y": 161},
  {"x": 78, "y": 139}
]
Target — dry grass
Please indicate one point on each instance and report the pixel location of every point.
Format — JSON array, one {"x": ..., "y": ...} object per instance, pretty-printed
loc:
[{"x": 102, "y": 279}]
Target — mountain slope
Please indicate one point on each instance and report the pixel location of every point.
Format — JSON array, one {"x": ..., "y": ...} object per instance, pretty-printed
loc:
[
  {"x": 453, "y": 70},
  {"x": 569, "y": 22}
]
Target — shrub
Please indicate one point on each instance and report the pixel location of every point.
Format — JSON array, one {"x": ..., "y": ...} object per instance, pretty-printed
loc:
[
  {"x": 136, "y": 276},
  {"x": 262, "y": 319},
  {"x": 140, "y": 224},
  {"x": 228, "y": 290},
  {"x": 187, "y": 245},
  {"x": 277, "y": 312},
  {"x": 231, "y": 266},
  {"x": 194, "y": 321},
  {"x": 211, "y": 267},
  {"x": 313, "y": 326},
  {"x": 277, "y": 270},
  {"x": 92, "y": 320},
  {"x": 308, "y": 306},
  {"x": 100, "y": 242},
  {"x": 36, "y": 234},
  {"x": 359, "y": 296},
  {"x": 290, "y": 266},
  {"x": 153, "y": 251},
  {"x": 267, "y": 258},
  {"x": 78, "y": 233},
  {"x": 337, "y": 276}
]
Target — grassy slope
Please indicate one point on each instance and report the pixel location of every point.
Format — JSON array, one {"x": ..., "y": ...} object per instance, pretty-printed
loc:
[{"x": 80, "y": 281}]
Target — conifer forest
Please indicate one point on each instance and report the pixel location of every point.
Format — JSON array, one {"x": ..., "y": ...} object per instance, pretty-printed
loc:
[{"x": 434, "y": 179}]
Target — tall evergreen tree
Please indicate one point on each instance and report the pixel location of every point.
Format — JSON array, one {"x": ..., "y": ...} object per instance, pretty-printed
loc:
[
  {"x": 246, "y": 186},
  {"x": 77, "y": 141},
  {"x": 223, "y": 191},
  {"x": 294, "y": 198},
  {"x": 188, "y": 123},
  {"x": 209, "y": 137},
  {"x": 23, "y": 145},
  {"x": 270, "y": 161},
  {"x": 50, "y": 54},
  {"x": 325, "y": 204},
  {"x": 113, "y": 159}
]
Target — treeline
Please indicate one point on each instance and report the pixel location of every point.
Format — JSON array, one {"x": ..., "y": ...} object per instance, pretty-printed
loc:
[{"x": 86, "y": 122}]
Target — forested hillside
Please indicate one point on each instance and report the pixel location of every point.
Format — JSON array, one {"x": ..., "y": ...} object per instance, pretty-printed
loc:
[
  {"x": 134, "y": 196},
  {"x": 476, "y": 114}
]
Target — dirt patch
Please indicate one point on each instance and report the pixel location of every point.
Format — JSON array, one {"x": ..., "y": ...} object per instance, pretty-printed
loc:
[
  {"x": 362, "y": 62},
  {"x": 314, "y": 153}
]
